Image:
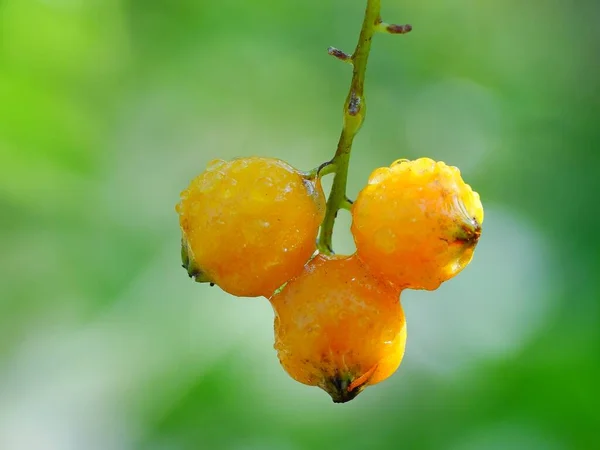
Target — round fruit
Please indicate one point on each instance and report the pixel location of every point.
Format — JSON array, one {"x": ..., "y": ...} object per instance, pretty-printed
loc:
[
  {"x": 249, "y": 224},
  {"x": 416, "y": 223},
  {"x": 339, "y": 328}
]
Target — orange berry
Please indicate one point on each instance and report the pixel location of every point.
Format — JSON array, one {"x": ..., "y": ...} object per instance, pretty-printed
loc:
[
  {"x": 416, "y": 223},
  {"x": 249, "y": 224},
  {"x": 339, "y": 328}
]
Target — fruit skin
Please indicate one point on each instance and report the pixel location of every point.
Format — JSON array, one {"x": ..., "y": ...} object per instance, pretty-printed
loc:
[
  {"x": 249, "y": 224},
  {"x": 338, "y": 327},
  {"x": 416, "y": 223}
]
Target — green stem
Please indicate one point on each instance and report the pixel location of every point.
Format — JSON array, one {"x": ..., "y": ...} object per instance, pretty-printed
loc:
[{"x": 355, "y": 109}]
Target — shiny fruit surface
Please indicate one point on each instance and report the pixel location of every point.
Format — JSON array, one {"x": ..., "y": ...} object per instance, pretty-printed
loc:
[
  {"x": 416, "y": 223},
  {"x": 338, "y": 327},
  {"x": 249, "y": 224}
]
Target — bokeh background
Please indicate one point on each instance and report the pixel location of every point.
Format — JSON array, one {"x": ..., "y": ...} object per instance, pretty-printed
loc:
[{"x": 109, "y": 107}]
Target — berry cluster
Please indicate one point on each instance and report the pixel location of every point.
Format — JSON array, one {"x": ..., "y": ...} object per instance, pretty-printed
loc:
[
  {"x": 257, "y": 227},
  {"x": 250, "y": 226}
]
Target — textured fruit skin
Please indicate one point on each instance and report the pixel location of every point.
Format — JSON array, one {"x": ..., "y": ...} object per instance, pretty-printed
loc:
[
  {"x": 416, "y": 223},
  {"x": 338, "y": 327},
  {"x": 250, "y": 224}
]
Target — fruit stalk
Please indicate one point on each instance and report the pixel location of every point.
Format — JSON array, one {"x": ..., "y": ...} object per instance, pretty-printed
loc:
[{"x": 354, "y": 115}]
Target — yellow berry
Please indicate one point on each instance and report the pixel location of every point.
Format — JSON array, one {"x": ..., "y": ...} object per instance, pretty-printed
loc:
[
  {"x": 250, "y": 224},
  {"x": 416, "y": 223},
  {"x": 339, "y": 328}
]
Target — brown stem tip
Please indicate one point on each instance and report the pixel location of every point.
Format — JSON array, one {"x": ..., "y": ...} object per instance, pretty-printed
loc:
[
  {"x": 398, "y": 29},
  {"x": 339, "y": 54}
]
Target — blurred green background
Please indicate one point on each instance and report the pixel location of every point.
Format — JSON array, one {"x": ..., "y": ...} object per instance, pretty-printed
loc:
[{"x": 109, "y": 107}]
